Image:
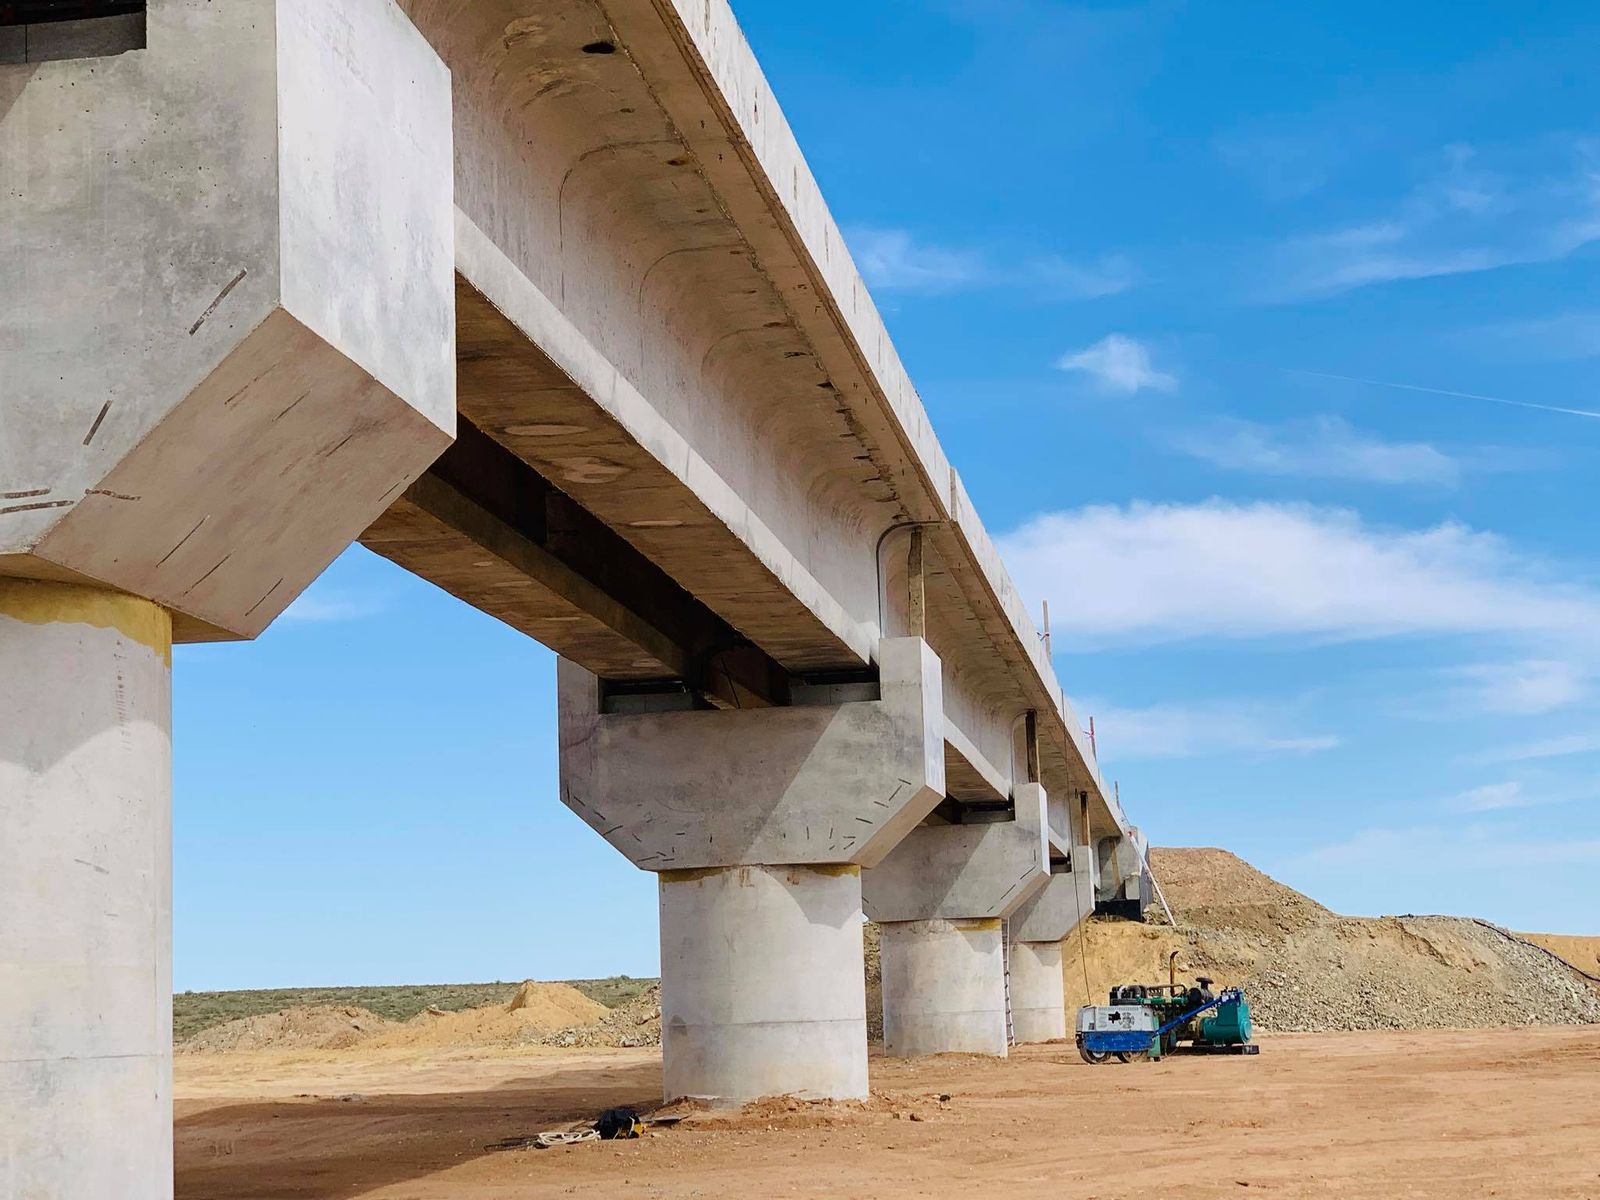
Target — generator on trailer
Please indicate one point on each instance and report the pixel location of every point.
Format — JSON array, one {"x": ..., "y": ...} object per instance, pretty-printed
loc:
[{"x": 1152, "y": 1020}]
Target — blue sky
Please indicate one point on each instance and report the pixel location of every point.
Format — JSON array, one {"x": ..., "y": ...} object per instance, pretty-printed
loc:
[{"x": 1157, "y": 271}]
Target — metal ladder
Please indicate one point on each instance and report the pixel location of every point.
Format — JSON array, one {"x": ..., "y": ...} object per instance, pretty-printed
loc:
[{"x": 1005, "y": 963}]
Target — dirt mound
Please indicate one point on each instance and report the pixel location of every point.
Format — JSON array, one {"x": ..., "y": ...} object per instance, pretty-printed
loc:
[
  {"x": 314, "y": 1028},
  {"x": 1213, "y": 889},
  {"x": 872, "y": 942},
  {"x": 537, "y": 1010},
  {"x": 636, "y": 1023},
  {"x": 1582, "y": 952},
  {"x": 1306, "y": 969}
]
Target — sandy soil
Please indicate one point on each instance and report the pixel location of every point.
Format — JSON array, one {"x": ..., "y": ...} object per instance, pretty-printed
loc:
[
  {"x": 1506, "y": 1113},
  {"x": 1581, "y": 952}
]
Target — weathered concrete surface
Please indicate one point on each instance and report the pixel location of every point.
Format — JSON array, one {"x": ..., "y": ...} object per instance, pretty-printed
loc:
[
  {"x": 1123, "y": 868},
  {"x": 966, "y": 871},
  {"x": 669, "y": 327},
  {"x": 943, "y": 988},
  {"x": 85, "y": 895},
  {"x": 1038, "y": 992},
  {"x": 226, "y": 302},
  {"x": 819, "y": 784},
  {"x": 1054, "y": 911},
  {"x": 762, "y": 991}
]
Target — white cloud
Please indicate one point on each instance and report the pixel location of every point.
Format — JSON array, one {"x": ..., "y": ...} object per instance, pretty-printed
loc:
[
  {"x": 1162, "y": 572},
  {"x": 326, "y": 604},
  {"x": 1553, "y": 747},
  {"x": 1118, "y": 363},
  {"x": 895, "y": 260},
  {"x": 1462, "y": 218},
  {"x": 1491, "y": 797},
  {"x": 1106, "y": 276},
  {"x": 1527, "y": 687},
  {"x": 1320, "y": 448},
  {"x": 1179, "y": 731}
]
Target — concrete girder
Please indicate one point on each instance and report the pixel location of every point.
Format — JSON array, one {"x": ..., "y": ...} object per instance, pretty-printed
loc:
[
  {"x": 654, "y": 201},
  {"x": 226, "y": 320},
  {"x": 579, "y": 181},
  {"x": 533, "y": 381}
]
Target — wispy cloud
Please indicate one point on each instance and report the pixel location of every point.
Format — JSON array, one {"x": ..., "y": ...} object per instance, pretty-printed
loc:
[
  {"x": 1561, "y": 746},
  {"x": 892, "y": 259},
  {"x": 1491, "y": 797},
  {"x": 1447, "y": 392},
  {"x": 1105, "y": 276},
  {"x": 1442, "y": 849},
  {"x": 1528, "y": 687},
  {"x": 1283, "y": 166},
  {"x": 1118, "y": 363},
  {"x": 1319, "y": 448},
  {"x": 1464, "y": 216},
  {"x": 1167, "y": 572},
  {"x": 321, "y": 604},
  {"x": 1562, "y": 337},
  {"x": 1181, "y": 731},
  {"x": 896, "y": 260}
]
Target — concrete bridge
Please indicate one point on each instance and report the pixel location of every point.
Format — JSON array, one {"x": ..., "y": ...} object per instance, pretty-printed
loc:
[{"x": 537, "y": 299}]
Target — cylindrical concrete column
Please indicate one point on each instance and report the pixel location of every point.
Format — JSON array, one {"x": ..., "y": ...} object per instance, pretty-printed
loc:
[
  {"x": 1038, "y": 995},
  {"x": 85, "y": 894},
  {"x": 762, "y": 984},
  {"x": 944, "y": 988}
]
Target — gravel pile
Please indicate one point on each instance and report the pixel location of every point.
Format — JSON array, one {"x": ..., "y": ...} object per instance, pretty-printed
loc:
[
  {"x": 636, "y": 1023},
  {"x": 1414, "y": 973},
  {"x": 1308, "y": 970}
]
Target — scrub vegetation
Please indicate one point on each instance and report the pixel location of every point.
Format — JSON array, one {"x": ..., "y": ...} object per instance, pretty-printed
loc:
[{"x": 195, "y": 1011}]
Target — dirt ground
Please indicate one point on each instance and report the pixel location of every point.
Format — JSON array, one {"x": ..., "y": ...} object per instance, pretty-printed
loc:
[{"x": 1437, "y": 1113}]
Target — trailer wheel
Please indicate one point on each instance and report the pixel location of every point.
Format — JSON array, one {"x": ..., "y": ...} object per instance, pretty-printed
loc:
[
  {"x": 1124, "y": 1056},
  {"x": 1092, "y": 1057}
]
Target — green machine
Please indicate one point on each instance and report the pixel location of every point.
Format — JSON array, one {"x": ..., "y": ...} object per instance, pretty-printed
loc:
[{"x": 1154, "y": 1020}]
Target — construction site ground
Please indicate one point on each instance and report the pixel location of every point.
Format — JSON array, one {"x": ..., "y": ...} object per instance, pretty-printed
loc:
[{"x": 1434, "y": 1113}]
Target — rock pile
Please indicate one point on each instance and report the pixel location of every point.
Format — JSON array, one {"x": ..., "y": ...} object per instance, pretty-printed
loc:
[
  {"x": 1306, "y": 969},
  {"x": 635, "y": 1023}
]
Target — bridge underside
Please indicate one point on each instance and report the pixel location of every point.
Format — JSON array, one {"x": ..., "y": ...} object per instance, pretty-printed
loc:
[{"x": 553, "y": 315}]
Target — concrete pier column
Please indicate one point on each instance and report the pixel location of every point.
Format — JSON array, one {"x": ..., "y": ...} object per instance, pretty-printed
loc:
[
  {"x": 85, "y": 894},
  {"x": 1038, "y": 996},
  {"x": 943, "y": 988},
  {"x": 758, "y": 823},
  {"x": 761, "y": 985},
  {"x": 940, "y": 897}
]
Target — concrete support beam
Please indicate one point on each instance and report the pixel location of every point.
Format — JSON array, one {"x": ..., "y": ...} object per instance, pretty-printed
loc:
[
  {"x": 1124, "y": 887},
  {"x": 226, "y": 302},
  {"x": 761, "y": 984},
  {"x": 85, "y": 894},
  {"x": 1055, "y": 910},
  {"x": 1038, "y": 994},
  {"x": 758, "y": 822},
  {"x": 986, "y": 868},
  {"x": 811, "y": 783},
  {"x": 943, "y": 988}
]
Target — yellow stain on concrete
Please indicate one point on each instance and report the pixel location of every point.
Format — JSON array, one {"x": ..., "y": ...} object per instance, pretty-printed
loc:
[
  {"x": 41, "y": 602},
  {"x": 977, "y": 924}
]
